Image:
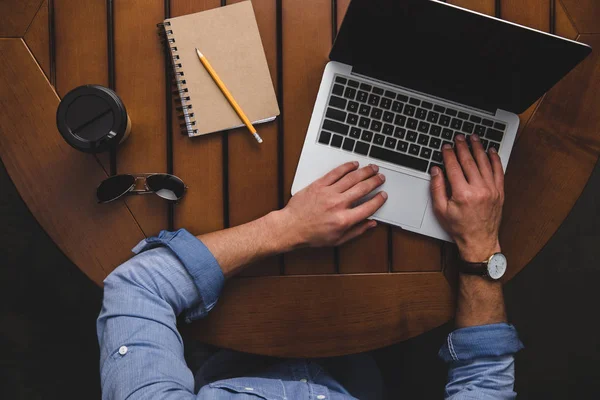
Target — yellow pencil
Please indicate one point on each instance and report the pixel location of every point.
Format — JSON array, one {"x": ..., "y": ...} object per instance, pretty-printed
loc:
[{"x": 228, "y": 95}]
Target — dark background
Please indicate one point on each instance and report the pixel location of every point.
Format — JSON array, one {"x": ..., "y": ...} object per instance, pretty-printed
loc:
[{"x": 48, "y": 310}]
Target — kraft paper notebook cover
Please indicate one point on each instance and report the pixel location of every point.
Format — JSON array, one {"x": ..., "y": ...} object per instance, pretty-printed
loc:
[{"x": 229, "y": 38}]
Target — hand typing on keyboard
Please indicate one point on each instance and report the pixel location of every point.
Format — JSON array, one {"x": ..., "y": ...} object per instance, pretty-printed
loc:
[
  {"x": 471, "y": 213},
  {"x": 322, "y": 214}
]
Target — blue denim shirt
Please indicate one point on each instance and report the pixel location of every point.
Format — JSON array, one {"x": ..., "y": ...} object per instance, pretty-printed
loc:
[{"x": 141, "y": 350}]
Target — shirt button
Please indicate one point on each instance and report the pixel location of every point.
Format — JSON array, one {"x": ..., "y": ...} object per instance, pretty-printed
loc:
[
  {"x": 303, "y": 380},
  {"x": 320, "y": 397},
  {"x": 123, "y": 350}
]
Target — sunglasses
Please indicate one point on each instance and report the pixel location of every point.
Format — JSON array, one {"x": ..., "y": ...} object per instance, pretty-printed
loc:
[{"x": 167, "y": 186}]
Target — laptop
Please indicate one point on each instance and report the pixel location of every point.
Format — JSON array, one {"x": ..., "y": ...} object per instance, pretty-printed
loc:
[{"x": 406, "y": 77}]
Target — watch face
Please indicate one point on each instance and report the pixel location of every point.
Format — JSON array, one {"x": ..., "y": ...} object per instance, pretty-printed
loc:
[{"x": 497, "y": 266}]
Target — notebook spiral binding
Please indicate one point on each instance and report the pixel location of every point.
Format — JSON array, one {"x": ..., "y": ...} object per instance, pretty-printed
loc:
[{"x": 185, "y": 109}]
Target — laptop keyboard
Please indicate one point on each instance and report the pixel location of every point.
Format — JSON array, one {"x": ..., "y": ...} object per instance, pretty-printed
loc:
[{"x": 394, "y": 127}]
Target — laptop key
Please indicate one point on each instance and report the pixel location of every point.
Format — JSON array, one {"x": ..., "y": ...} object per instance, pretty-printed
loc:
[
  {"x": 336, "y": 114},
  {"x": 388, "y": 129},
  {"x": 475, "y": 118},
  {"x": 445, "y": 120},
  {"x": 425, "y": 152},
  {"x": 451, "y": 111},
  {"x": 463, "y": 115},
  {"x": 367, "y": 136},
  {"x": 378, "y": 90},
  {"x": 438, "y": 108},
  {"x": 336, "y": 141},
  {"x": 414, "y": 149},
  {"x": 365, "y": 86},
  {"x": 427, "y": 105},
  {"x": 399, "y": 132},
  {"x": 487, "y": 122},
  {"x": 350, "y": 93},
  {"x": 355, "y": 132},
  {"x": 411, "y": 136},
  {"x": 376, "y": 113},
  {"x": 348, "y": 144},
  {"x": 364, "y": 110},
  {"x": 364, "y": 122},
  {"x": 484, "y": 143},
  {"x": 412, "y": 123},
  {"x": 399, "y": 159},
  {"x": 440, "y": 166},
  {"x": 433, "y": 117},
  {"x": 409, "y": 110},
  {"x": 390, "y": 143},
  {"x": 480, "y": 130},
  {"x": 494, "y": 134},
  {"x": 402, "y": 146},
  {"x": 374, "y": 100},
  {"x": 397, "y": 106},
  {"x": 337, "y": 102},
  {"x": 447, "y": 133},
  {"x": 500, "y": 126},
  {"x": 353, "y": 83},
  {"x": 415, "y": 102},
  {"x": 386, "y": 103},
  {"x": 447, "y": 142},
  {"x": 435, "y": 143},
  {"x": 435, "y": 130},
  {"x": 421, "y": 113},
  {"x": 352, "y": 119},
  {"x": 400, "y": 120},
  {"x": 338, "y": 89},
  {"x": 423, "y": 139},
  {"x": 388, "y": 116},
  {"x": 362, "y": 96},
  {"x": 494, "y": 145},
  {"x": 456, "y": 123},
  {"x": 324, "y": 137},
  {"x": 402, "y": 97},
  {"x": 379, "y": 139},
  {"x": 437, "y": 156},
  {"x": 335, "y": 126},
  {"x": 468, "y": 127},
  {"x": 376, "y": 126},
  {"x": 424, "y": 127},
  {"x": 361, "y": 148},
  {"x": 340, "y": 79},
  {"x": 390, "y": 94}
]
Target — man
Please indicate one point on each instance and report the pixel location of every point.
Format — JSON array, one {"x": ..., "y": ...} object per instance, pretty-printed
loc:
[{"x": 142, "y": 351}]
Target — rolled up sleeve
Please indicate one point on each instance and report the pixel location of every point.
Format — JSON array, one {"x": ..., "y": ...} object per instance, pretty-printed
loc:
[
  {"x": 141, "y": 351},
  {"x": 481, "y": 362}
]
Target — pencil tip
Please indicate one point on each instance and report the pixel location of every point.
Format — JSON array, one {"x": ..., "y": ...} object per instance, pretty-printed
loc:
[{"x": 198, "y": 52}]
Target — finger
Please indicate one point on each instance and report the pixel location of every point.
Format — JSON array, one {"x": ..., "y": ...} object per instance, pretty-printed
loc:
[
  {"x": 439, "y": 195},
  {"x": 355, "y": 177},
  {"x": 483, "y": 162},
  {"x": 337, "y": 173},
  {"x": 357, "y": 230},
  {"x": 363, "y": 188},
  {"x": 366, "y": 209},
  {"x": 497, "y": 169},
  {"x": 454, "y": 172},
  {"x": 466, "y": 160}
]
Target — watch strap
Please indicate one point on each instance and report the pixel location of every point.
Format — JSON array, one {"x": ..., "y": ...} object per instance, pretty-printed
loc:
[{"x": 480, "y": 268}]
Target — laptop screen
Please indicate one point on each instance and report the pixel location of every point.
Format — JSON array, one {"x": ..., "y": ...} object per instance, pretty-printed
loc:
[{"x": 454, "y": 54}]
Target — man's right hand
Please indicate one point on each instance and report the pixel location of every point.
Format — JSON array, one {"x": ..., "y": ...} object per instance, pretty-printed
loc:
[{"x": 471, "y": 213}]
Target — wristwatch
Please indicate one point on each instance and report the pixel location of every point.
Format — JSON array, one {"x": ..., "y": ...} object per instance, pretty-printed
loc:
[{"x": 494, "y": 268}]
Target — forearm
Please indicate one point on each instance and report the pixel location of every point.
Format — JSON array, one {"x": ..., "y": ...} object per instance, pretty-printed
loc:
[
  {"x": 480, "y": 302},
  {"x": 244, "y": 244}
]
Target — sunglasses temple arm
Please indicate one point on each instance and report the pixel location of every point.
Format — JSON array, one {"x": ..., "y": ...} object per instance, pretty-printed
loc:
[{"x": 141, "y": 191}]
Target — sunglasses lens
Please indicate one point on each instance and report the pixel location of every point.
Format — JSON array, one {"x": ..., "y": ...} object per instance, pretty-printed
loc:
[
  {"x": 166, "y": 186},
  {"x": 114, "y": 187}
]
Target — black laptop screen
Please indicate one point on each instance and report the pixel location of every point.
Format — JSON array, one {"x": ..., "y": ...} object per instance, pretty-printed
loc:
[{"x": 450, "y": 53}]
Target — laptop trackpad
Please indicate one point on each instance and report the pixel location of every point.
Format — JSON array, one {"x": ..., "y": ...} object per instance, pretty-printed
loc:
[{"x": 407, "y": 199}]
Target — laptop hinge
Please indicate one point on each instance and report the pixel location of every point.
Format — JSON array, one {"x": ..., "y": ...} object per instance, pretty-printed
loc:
[{"x": 492, "y": 113}]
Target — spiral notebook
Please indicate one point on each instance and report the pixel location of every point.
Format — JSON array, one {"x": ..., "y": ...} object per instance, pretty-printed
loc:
[{"x": 229, "y": 38}]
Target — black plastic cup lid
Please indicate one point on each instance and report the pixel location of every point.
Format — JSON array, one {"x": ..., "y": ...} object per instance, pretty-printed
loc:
[{"x": 91, "y": 118}]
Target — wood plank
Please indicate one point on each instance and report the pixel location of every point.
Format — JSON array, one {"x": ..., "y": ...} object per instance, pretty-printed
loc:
[
  {"x": 140, "y": 82},
  {"x": 198, "y": 161},
  {"x": 37, "y": 38},
  {"x": 16, "y": 15},
  {"x": 56, "y": 181},
  {"x": 330, "y": 315},
  {"x": 306, "y": 44},
  {"x": 483, "y": 6},
  {"x": 253, "y": 171},
  {"x": 368, "y": 253},
  {"x": 525, "y": 116},
  {"x": 563, "y": 24},
  {"x": 532, "y": 13},
  {"x": 585, "y": 14},
  {"x": 80, "y": 29},
  {"x": 551, "y": 163}
]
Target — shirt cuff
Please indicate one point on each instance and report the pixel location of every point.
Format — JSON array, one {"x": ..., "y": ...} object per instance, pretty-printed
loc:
[
  {"x": 475, "y": 342},
  {"x": 199, "y": 263}
]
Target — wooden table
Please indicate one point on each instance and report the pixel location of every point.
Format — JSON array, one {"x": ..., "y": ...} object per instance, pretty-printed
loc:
[{"x": 383, "y": 288}]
